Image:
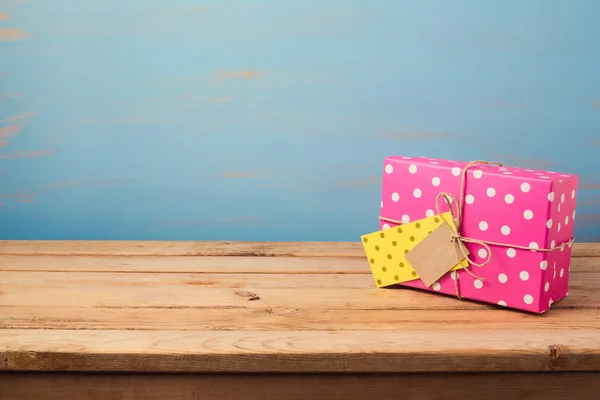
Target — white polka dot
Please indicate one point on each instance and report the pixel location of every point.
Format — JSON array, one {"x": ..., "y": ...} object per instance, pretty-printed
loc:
[
  {"x": 528, "y": 214},
  {"x": 566, "y": 176},
  {"x": 525, "y": 187},
  {"x": 491, "y": 192},
  {"x": 477, "y": 174},
  {"x": 562, "y": 198},
  {"x": 524, "y": 275},
  {"x": 482, "y": 253},
  {"x": 386, "y": 226},
  {"x": 405, "y": 219},
  {"x": 412, "y": 169},
  {"x": 573, "y": 193},
  {"x": 483, "y": 225},
  {"x": 502, "y": 303},
  {"x": 453, "y": 275},
  {"x": 509, "y": 198},
  {"x": 562, "y": 247},
  {"x": 502, "y": 278},
  {"x": 389, "y": 169},
  {"x": 552, "y": 244},
  {"x": 478, "y": 284},
  {"x": 406, "y": 158},
  {"x": 558, "y": 227},
  {"x": 507, "y": 173},
  {"x": 539, "y": 173},
  {"x": 551, "y": 196},
  {"x": 562, "y": 272},
  {"x": 433, "y": 162},
  {"x": 534, "y": 246},
  {"x": 469, "y": 199},
  {"x": 511, "y": 252},
  {"x": 573, "y": 215},
  {"x": 544, "y": 265},
  {"x": 435, "y": 181},
  {"x": 567, "y": 220},
  {"x": 549, "y": 223},
  {"x": 550, "y": 302},
  {"x": 559, "y": 207},
  {"x": 417, "y": 193},
  {"x": 436, "y": 286},
  {"x": 505, "y": 230},
  {"x": 544, "y": 177},
  {"x": 503, "y": 168},
  {"x": 395, "y": 197},
  {"x": 381, "y": 203},
  {"x": 547, "y": 286},
  {"x": 554, "y": 277},
  {"x": 429, "y": 213},
  {"x": 456, "y": 171},
  {"x": 528, "y": 299}
]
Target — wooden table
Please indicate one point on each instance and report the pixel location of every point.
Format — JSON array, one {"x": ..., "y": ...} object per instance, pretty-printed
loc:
[{"x": 187, "y": 320}]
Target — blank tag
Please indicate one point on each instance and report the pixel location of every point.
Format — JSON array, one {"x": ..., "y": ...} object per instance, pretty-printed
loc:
[{"x": 435, "y": 255}]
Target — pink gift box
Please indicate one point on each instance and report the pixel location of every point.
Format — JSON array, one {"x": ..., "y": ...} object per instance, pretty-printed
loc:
[{"x": 523, "y": 207}]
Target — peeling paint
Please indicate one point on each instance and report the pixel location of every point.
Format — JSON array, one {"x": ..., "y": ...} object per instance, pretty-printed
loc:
[
  {"x": 9, "y": 34},
  {"x": 590, "y": 186},
  {"x": 525, "y": 161},
  {"x": 26, "y": 154},
  {"x": 217, "y": 100},
  {"x": 237, "y": 175},
  {"x": 12, "y": 95},
  {"x": 246, "y": 75},
  {"x": 10, "y": 130},
  {"x": 12, "y": 118},
  {"x": 413, "y": 135},
  {"x": 357, "y": 183},
  {"x": 184, "y": 223}
]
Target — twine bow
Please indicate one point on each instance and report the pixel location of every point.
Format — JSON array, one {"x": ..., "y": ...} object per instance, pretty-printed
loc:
[{"x": 460, "y": 240}]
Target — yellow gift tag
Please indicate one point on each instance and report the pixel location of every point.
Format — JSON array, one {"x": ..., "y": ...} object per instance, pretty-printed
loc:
[{"x": 386, "y": 249}]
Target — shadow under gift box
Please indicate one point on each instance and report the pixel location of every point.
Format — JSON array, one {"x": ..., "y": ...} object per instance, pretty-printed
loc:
[{"x": 523, "y": 207}]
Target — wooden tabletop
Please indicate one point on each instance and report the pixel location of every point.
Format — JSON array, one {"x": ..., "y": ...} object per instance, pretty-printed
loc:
[{"x": 214, "y": 307}]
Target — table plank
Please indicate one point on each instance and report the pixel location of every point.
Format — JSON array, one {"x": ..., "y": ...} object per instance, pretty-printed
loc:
[
  {"x": 341, "y": 292},
  {"x": 295, "y": 319},
  {"x": 510, "y": 350},
  {"x": 208, "y": 248},
  {"x": 211, "y": 264}
]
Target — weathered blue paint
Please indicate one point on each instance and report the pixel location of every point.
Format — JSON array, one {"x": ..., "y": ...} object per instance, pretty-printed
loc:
[{"x": 269, "y": 120}]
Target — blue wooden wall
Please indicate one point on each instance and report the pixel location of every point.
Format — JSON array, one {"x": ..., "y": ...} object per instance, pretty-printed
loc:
[{"x": 269, "y": 120}]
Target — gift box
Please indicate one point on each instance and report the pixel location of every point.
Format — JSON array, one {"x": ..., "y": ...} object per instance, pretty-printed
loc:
[{"x": 521, "y": 222}]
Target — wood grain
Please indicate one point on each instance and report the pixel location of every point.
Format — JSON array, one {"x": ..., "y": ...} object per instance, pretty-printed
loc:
[
  {"x": 501, "y": 386},
  {"x": 268, "y": 308},
  {"x": 207, "y": 248},
  {"x": 295, "y": 319},
  {"x": 338, "y": 292},
  {"x": 211, "y": 264},
  {"x": 513, "y": 350}
]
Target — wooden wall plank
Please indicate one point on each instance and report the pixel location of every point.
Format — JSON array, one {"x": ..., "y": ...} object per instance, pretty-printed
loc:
[{"x": 505, "y": 386}]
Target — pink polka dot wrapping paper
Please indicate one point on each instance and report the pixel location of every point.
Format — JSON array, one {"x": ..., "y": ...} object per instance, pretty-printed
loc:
[{"x": 524, "y": 207}]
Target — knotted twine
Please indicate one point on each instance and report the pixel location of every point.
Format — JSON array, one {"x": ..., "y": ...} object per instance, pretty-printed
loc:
[{"x": 458, "y": 238}]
